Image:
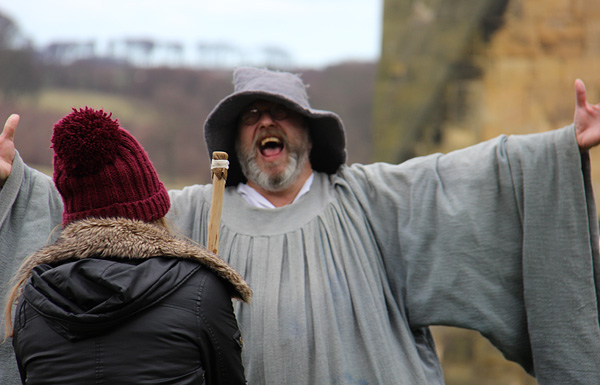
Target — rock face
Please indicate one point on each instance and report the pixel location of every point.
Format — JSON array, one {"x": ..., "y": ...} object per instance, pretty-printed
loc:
[{"x": 454, "y": 73}]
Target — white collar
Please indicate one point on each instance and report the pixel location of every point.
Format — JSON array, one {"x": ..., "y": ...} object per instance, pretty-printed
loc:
[{"x": 256, "y": 199}]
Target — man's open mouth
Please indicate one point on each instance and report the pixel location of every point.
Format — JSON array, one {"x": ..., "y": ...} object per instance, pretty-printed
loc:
[{"x": 270, "y": 146}]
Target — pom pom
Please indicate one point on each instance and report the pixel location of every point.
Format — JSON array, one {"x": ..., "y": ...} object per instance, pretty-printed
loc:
[{"x": 85, "y": 140}]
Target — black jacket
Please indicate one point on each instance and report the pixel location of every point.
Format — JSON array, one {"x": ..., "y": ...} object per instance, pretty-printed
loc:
[{"x": 92, "y": 313}]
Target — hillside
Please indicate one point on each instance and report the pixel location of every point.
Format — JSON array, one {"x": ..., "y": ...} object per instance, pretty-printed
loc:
[{"x": 165, "y": 109}]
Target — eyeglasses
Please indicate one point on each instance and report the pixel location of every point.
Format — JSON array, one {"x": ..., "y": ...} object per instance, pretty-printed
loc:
[{"x": 252, "y": 115}]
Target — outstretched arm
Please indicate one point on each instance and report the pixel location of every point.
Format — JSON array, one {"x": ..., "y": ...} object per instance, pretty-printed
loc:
[
  {"x": 587, "y": 119},
  {"x": 7, "y": 147}
]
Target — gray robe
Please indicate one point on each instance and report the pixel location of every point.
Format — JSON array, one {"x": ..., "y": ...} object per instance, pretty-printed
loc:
[
  {"x": 30, "y": 217},
  {"x": 500, "y": 237}
]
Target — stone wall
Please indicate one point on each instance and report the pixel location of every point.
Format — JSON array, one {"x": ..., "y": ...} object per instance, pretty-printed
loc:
[
  {"x": 532, "y": 63},
  {"x": 517, "y": 80}
]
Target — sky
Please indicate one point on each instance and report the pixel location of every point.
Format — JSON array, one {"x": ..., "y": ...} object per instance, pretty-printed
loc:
[{"x": 307, "y": 33}]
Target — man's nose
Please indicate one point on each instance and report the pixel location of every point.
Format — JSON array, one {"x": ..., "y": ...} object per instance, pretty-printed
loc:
[{"x": 265, "y": 119}]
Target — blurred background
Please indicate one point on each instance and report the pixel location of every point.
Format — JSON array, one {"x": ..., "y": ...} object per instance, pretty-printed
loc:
[{"x": 408, "y": 78}]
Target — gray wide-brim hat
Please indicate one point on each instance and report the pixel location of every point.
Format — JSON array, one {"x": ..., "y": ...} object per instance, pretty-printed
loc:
[{"x": 326, "y": 128}]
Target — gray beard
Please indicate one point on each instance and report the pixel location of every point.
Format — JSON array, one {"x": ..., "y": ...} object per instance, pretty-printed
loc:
[{"x": 297, "y": 161}]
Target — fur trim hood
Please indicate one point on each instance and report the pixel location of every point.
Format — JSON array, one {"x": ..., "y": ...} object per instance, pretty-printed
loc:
[{"x": 126, "y": 238}]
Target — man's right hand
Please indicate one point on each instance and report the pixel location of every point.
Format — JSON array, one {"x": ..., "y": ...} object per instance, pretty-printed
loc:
[{"x": 7, "y": 147}]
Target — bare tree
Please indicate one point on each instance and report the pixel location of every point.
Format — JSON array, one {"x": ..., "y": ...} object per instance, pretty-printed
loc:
[
  {"x": 142, "y": 48},
  {"x": 18, "y": 70},
  {"x": 10, "y": 34}
]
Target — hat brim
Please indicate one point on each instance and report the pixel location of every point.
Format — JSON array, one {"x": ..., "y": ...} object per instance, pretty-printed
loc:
[{"x": 326, "y": 131}]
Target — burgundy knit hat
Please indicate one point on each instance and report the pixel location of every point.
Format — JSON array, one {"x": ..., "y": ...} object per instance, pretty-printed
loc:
[{"x": 101, "y": 171}]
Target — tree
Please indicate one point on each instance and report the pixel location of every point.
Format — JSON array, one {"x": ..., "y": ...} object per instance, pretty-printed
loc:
[
  {"x": 18, "y": 70},
  {"x": 9, "y": 32}
]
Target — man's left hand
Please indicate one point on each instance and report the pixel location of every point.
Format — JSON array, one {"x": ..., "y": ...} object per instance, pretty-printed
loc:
[{"x": 587, "y": 119}]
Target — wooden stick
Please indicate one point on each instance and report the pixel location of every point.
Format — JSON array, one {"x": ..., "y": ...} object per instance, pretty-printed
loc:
[{"x": 219, "y": 177}]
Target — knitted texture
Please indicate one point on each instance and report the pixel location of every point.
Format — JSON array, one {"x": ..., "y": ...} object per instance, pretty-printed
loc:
[{"x": 102, "y": 171}]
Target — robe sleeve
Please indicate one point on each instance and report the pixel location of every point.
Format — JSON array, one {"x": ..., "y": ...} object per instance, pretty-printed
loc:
[
  {"x": 30, "y": 218},
  {"x": 501, "y": 238}
]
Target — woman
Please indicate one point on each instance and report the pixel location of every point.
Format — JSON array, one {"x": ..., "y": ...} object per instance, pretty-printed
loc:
[{"x": 118, "y": 299}]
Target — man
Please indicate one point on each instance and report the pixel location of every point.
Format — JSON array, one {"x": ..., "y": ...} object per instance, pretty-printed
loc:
[{"x": 349, "y": 265}]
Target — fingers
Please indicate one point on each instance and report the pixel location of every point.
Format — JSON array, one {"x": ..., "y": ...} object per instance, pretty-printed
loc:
[
  {"x": 10, "y": 127},
  {"x": 580, "y": 93}
]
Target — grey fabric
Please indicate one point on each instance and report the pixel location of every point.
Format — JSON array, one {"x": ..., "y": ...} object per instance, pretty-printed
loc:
[
  {"x": 325, "y": 127},
  {"x": 30, "y": 209},
  {"x": 500, "y": 237}
]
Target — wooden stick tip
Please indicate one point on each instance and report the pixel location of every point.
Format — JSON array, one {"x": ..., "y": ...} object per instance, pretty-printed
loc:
[{"x": 220, "y": 155}]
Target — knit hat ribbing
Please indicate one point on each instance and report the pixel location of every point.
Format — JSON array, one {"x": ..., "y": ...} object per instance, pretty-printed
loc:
[{"x": 102, "y": 171}]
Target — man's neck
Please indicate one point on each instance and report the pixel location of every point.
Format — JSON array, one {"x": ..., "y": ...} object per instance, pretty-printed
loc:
[{"x": 284, "y": 197}]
